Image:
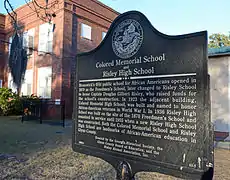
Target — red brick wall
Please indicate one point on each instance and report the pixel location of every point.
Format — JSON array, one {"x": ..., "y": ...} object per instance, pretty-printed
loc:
[
  {"x": 2, "y": 46},
  {"x": 96, "y": 15},
  {"x": 92, "y": 13}
]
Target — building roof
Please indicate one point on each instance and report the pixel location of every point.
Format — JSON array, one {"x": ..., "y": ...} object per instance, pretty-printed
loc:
[
  {"x": 96, "y": 1},
  {"x": 222, "y": 51},
  {"x": 104, "y": 5}
]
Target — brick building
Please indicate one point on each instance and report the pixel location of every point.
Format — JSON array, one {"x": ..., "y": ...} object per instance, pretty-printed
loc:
[
  {"x": 79, "y": 26},
  {"x": 2, "y": 48}
]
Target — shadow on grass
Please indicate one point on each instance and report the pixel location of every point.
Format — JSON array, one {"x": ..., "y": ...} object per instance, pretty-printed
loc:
[{"x": 22, "y": 139}]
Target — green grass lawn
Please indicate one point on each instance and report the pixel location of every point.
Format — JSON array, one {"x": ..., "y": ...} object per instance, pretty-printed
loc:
[{"x": 42, "y": 151}]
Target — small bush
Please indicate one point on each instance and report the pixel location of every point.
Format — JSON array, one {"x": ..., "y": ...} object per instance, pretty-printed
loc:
[{"x": 10, "y": 102}]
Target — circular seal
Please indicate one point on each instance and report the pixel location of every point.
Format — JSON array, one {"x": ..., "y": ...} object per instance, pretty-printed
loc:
[{"x": 127, "y": 38}]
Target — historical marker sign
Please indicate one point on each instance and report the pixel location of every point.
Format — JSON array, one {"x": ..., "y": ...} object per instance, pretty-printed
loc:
[{"x": 141, "y": 97}]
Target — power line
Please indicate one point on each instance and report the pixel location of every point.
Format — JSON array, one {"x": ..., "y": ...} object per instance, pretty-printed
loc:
[
  {"x": 8, "y": 12},
  {"x": 37, "y": 7},
  {"x": 25, "y": 47},
  {"x": 33, "y": 49}
]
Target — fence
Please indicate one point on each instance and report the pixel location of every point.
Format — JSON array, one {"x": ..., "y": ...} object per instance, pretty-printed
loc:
[{"x": 44, "y": 110}]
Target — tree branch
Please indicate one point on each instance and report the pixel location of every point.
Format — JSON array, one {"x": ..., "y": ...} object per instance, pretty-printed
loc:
[{"x": 14, "y": 19}]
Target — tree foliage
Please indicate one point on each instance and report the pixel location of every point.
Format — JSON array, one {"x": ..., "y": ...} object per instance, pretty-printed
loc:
[
  {"x": 10, "y": 103},
  {"x": 218, "y": 40},
  {"x": 17, "y": 61}
]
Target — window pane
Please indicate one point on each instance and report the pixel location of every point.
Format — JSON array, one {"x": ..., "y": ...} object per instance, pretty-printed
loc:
[
  {"x": 27, "y": 84},
  {"x": 50, "y": 38},
  {"x": 50, "y": 33},
  {"x": 45, "y": 37},
  {"x": 11, "y": 85},
  {"x": 41, "y": 91},
  {"x": 10, "y": 41},
  {"x": 30, "y": 39},
  {"x": 85, "y": 31},
  {"x": 25, "y": 39},
  {"x": 42, "y": 44},
  {"x": 29, "y": 89},
  {"x": 103, "y": 35},
  {"x": 30, "y": 45},
  {"x": 50, "y": 46},
  {"x": 44, "y": 82}
]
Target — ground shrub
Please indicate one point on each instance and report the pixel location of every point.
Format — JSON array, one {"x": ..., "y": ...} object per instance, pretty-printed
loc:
[{"x": 10, "y": 102}]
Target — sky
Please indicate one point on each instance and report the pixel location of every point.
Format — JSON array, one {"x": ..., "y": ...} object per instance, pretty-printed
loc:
[{"x": 173, "y": 17}]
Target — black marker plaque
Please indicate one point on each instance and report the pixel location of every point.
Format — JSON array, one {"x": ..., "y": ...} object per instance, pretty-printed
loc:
[{"x": 141, "y": 98}]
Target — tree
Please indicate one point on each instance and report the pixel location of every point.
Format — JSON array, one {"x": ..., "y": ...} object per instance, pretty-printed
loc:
[
  {"x": 218, "y": 40},
  {"x": 17, "y": 61}
]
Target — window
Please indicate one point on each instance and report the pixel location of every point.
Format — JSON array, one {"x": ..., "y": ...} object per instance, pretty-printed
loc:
[
  {"x": 11, "y": 85},
  {"x": 28, "y": 41},
  {"x": 44, "y": 82},
  {"x": 10, "y": 41},
  {"x": 85, "y": 31},
  {"x": 0, "y": 83},
  {"x": 103, "y": 35},
  {"x": 26, "y": 89},
  {"x": 46, "y": 38}
]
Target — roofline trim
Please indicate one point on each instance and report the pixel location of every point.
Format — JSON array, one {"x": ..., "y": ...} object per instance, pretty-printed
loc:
[{"x": 107, "y": 7}]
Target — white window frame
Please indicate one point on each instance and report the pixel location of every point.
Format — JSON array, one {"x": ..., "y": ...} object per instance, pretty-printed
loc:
[
  {"x": 26, "y": 36},
  {"x": 45, "y": 43},
  {"x": 11, "y": 85},
  {"x": 28, "y": 79},
  {"x": 41, "y": 74},
  {"x": 10, "y": 42},
  {"x": 86, "y": 31}
]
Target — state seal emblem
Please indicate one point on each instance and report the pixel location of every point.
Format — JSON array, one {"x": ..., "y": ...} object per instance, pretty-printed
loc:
[{"x": 127, "y": 38}]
